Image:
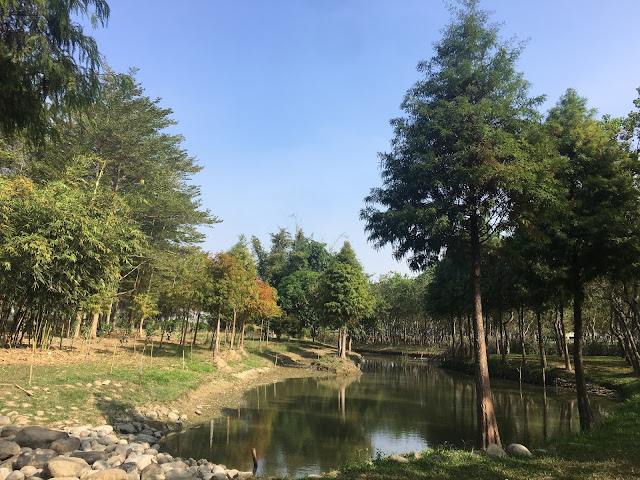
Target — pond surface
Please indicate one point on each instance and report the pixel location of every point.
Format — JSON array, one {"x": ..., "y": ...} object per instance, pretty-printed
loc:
[{"x": 313, "y": 425}]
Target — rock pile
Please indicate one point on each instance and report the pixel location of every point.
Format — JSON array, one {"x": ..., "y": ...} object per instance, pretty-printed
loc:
[{"x": 125, "y": 451}]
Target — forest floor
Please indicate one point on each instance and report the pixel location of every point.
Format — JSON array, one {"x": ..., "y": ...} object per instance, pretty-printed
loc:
[{"x": 95, "y": 384}]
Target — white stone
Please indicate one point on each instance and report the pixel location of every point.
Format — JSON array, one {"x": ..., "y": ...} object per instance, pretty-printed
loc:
[{"x": 494, "y": 450}]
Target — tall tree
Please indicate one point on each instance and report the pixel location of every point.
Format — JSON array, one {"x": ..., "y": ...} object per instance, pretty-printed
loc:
[
  {"x": 457, "y": 163},
  {"x": 345, "y": 294},
  {"x": 595, "y": 233},
  {"x": 48, "y": 66}
]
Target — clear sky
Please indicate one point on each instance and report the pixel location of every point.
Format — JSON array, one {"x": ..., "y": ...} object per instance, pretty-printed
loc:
[{"x": 287, "y": 102}]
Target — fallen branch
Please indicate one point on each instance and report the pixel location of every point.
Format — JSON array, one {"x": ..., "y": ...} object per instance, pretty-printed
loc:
[{"x": 18, "y": 387}]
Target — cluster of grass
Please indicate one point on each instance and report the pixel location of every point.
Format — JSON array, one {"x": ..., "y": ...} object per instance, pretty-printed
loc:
[{"x": 101, "y": 386}]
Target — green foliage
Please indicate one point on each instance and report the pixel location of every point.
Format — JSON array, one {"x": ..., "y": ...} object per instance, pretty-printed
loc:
[
  {"x": 48, "y": 66},
  {"x": 345, "y": 294}
]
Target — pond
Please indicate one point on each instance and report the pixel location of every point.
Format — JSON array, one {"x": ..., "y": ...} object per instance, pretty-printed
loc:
[{"x": 312, "y": 425}]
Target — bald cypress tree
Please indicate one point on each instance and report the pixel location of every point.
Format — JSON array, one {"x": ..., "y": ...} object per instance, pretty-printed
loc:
[{"x": 459, "y": 160}]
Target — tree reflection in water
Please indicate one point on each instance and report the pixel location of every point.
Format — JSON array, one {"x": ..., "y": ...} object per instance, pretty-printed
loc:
[{"x": 396, "y": 406}]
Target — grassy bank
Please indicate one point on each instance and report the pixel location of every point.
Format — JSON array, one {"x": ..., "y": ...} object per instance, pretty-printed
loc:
[
  {"x": 605, "y": 453},
  {"x": 93, "y": 384}
]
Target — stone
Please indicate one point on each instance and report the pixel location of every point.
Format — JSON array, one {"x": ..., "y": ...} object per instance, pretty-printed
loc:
[
  {"x": 417, "y": 455},
  {"x": 178, "y": 474},
  {"x": 38, "y": 437},
  {"x": 4, "y": 420},
  {"x": 151, "y": 470},
  {"x": 100, "y": 465},
  {"x": 8, "y": 449},
  {"x": 161, "y": 458},
  {"x": 232, "y": 473},
  {"x": 243, "y": 475},
  {"x": 173, "y": 417},
  {"x": 10, "y": 431},
  {"x": 4, "y": 473},
  {"x": 129, "y": 467},
  {"x": 90, "y": 456},
  {"x": 518, "y": 450},
  {"x": 143, "y": 461},
  {"x": 16, "y": 475},
  {"x": 110, "y": 474},
  {"x": 151, "y": 451},
  {"x": 125, "y": 427},
  {"x": 494, "y": 450},
  {"x": 143, "y": 437},
  {"x": 398, "y": 458},
  {"x": 29, "y": 471},
  {"x": 36, "y": 458},
  {"x": 66, "y": 467},
  {"x": 152, "y": 416},
  {"x": 66, "y": 445},
  {"x": 107, "y": 429}
]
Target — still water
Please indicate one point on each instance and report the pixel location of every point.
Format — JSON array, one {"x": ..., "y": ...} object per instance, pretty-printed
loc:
[{"x": 312, "y": 425}]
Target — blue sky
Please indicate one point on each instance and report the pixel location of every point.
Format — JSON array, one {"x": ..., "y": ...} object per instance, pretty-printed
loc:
[{"x": 286, "y": 103}]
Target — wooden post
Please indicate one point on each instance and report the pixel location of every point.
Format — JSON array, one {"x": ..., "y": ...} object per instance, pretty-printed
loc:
[
  {"x": 254, "y": 456},
  {"x": 33, "y": 354},
  {"x": 113, "y": 357}
]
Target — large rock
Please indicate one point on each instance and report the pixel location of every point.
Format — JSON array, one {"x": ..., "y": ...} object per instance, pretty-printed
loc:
[
  {"x": 151, "y": 471},
  {"x": 518, "y": 450},
  {"x": 178, "y": 474},
  {"x": 29, "y": 471},
  {"x": 10, "y": 431},
  {"x": 66, "y": 445},
  {"x": 129, "y": 467},
  {"x": 125, "y": 428},
  {"x": 8, "y": 449},
  {"x": 398, "y": 458},
  {"x": 16, "y": 475},
  {"x": 143, "y": 437},
  {"x": 4, "y": 473},
  {"x": 494, "y": 450},
  {"x": 110, "y": 474},
  {"x": 4, "y": 420},
  {"x": 91, "y": 456},
  {"x": 38, "y": 437},
  {"x": 36, "y": 458},
  {"x": 66, "y": 467}
]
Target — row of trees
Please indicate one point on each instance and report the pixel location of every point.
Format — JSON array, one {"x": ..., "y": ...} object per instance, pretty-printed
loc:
[{"x": 476, "y": 176}]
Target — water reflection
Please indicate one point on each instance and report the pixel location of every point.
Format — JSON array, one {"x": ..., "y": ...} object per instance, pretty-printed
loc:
[{"x": 303, "y": 426}]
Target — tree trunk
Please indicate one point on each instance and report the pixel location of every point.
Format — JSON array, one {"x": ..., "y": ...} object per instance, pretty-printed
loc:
[
  {"x": 522, "y": 334},
  {"x": 216, "y": 349},
  {"x": 487, "y": 424},
  {"x": 233, "y": 330},
  {"x": 584, "y": 407},
  {"x": 565, "y": 345},
  {"x": 93, "y": 333},
  {"x": 543, "y": 357},
  {"x": 195, "y": 332},
  {"x": 242, "y": 335}
]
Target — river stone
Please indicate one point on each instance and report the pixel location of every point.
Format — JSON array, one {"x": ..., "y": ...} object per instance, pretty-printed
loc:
[
  {"x": 4, "y": 473},
  {"x": 125, "y": 428},
  {"x": 219, "y": 476},
  {"x": 36, "y": 458},
  {"x": 100, "y": 465},
  {"x": 143, "y": 461},
  {"x": 243, "y": 475},
  {"x": 66, "y": 467},
  {"x": 8, "y": 449},
  {"x": 106, "y": 429},
  {"x": 129, "y": 467},
  {"x": 10, "y": 431},
  {"x": 16, "y": 475},
  {"x": 30, "y": 471},
  {"x": 494, "y": 450},
  {"x": 173, "y": 417},
  {"x": 4, "y": 420},
  {"x": 66, "y": 445},
  {"x": 91, "y": 456},
  {"x": 218, "y": 469},
  {"x": 38, "y": 437},
  {"x": 151, "y": 470},
  {"x": 398, "y": 458},
  {"x": 518, "y": 450},
  {"x": 143, "y": 437},
  {"x": 110, "y": 474},
  {"x": 232, "y": 473},
  {"x": 178, "y": 474}
]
